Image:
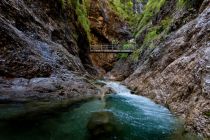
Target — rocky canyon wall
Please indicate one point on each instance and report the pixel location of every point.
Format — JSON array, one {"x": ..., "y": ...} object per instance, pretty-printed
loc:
[
  {"x": 175, "y": 71},
  {"x": 43, "y": 51},
  {"x": 107, "y": 27}
]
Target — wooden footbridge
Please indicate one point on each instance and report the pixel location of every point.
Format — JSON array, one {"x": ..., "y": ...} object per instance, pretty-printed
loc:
[{"x": 113, "y": 48}]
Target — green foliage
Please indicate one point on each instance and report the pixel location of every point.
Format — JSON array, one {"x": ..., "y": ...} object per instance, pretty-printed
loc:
[
  {"x": 207, "y": 114},
  {"x": 135, "y": 55},
  {"x": 123, "y": 8},
  {"x": 152, "y": 34},
  {"x": 87, "y": 5},
  {"x": 181, "y": 3},
  {"x": 122, "y": 56},
  {"x": 81, "y": 12},
  {"x": 81, "y": 7},
  {"x": 151, "y": 8},
  {"x": 140, "y": 22},
  {"x": 125, "y": 46},
  {"x": 166, "y": 22},
  {"x": 128, "y": 46},
  {"x": 157, "y": 31}
]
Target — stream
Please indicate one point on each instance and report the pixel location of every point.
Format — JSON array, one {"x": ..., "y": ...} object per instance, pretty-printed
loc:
[{"x": 121, "y": 116}]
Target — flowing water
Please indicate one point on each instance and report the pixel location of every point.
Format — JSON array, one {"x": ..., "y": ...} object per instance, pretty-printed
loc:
[{"x": 129, "y": 117}]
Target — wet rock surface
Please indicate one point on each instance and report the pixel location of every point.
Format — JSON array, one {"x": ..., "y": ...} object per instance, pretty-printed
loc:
[
  {"x": 176, "y": 73},
  {"x": 42, "y": 54},
  {"x": 55, "y": 87},
  {"x": 121, "y": 70}
]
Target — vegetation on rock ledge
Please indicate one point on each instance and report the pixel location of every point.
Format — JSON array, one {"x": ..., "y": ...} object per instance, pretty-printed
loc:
[{"x": 81, "y": 7}]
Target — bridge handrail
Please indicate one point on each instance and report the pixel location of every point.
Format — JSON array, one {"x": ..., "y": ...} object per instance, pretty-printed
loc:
[{"x": 111, "y": 47}]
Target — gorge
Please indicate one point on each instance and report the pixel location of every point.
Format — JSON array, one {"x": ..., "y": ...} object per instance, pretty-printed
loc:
[{"x": 48, "y": 76}]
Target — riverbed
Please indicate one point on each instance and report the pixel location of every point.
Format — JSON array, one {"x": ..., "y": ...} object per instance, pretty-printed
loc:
[{"x": 120, "y": 116}]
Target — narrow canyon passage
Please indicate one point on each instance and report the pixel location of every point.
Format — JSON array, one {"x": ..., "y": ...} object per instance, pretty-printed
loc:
[{"x": 53, "y": 54}]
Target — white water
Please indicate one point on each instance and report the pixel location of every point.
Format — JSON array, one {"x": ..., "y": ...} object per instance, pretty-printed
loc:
[{"x": 146, "y": 111}]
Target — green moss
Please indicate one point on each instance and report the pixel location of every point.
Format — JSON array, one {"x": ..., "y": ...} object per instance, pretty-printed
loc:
[
  {"x": 151, "y": 35},
  {"x": 81, "y": 12},
  {"x": 207, "y": 113},
  {"x": 87, "y": 5},
  {"x": 157, "y": 32},
  {"x": 122, "y": 56},
  {"x": 123, "y": 9},
  {"x": 125, "y": 55},
  {"x": 181, "y": 3},
  {"x": 152, "y": 8},
  {"x": 154, "y": 33},
  {"x": 166, "y": 22},
  {"x": 135, "y": 55},
  {"x": 126, "y": 46},
  {"x": 81, "y": 7}
]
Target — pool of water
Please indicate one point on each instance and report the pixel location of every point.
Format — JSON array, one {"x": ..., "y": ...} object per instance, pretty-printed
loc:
[{"x": 135, "y": 118}]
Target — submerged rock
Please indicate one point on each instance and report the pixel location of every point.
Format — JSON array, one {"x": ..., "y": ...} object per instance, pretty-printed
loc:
[{"x": 102, "y": 125}]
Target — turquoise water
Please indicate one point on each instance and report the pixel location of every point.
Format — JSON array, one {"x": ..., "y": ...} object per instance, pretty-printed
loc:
[{"x": 136, "y": 118}]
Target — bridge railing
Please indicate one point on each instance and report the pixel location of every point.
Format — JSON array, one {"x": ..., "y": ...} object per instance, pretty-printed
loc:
[{"x": 112, "y": 47}]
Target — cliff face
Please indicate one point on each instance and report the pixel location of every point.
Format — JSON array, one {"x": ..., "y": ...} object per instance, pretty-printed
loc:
[
  {"x": 43, "y": 51},
  {"x": 176, "y": 70},
  {"x": 44, "y": 54},
  {"x": 106, "y": 27}
]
